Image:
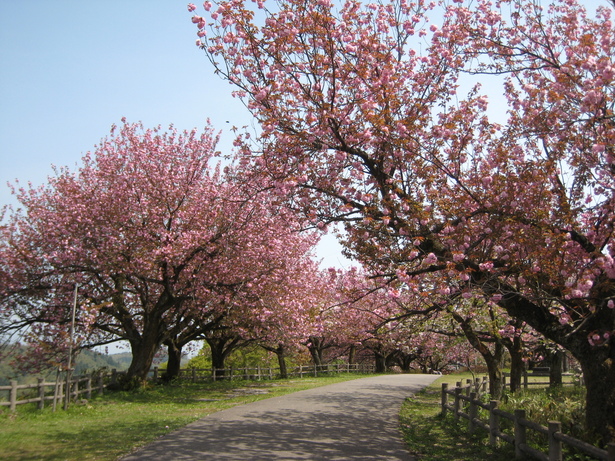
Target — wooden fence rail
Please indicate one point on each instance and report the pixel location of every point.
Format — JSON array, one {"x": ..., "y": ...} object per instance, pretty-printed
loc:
[
  {"x": 38, "y": 393},
  {"x": 526, "y": 382},
  {"x": 259, "y": 373},
  {"x": 83, "y": 386},
  {"x": 470, "y": 394}
]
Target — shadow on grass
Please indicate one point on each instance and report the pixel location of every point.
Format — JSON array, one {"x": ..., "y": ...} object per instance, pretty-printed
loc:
[
  {"x": 432, "y": 437},
  {"x": 104, "y": 442}
]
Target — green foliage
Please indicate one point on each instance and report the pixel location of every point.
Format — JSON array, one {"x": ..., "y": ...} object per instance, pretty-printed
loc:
[
  {"x": 202, "y": 360},
  {"x": 563, "y": 404},
  {"x": 250, "y": 356}
]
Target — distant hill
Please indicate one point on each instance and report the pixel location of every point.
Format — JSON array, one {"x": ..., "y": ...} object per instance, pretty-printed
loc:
[{"x": 87, "y": 360}]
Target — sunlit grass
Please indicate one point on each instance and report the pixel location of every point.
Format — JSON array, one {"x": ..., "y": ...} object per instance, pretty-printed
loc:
[
  {"x": 433, "y": 437},
  {"x": 430, "y": 437},
  {"x": 117, "y": 423}
]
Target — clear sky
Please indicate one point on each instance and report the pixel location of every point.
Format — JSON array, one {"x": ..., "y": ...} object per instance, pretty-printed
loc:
[{"x": 70, "y": 69}]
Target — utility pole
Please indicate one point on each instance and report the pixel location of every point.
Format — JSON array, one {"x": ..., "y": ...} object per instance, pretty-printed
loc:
[{"x": 67, "y": 390}]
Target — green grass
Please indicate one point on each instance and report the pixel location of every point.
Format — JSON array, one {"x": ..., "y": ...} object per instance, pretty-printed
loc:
[
  {"x": 118, "y": 422},
  {"x": 430, "y": 436}
]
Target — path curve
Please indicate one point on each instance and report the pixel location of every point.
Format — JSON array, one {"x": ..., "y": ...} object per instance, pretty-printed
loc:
[{"x": 353, "y": 420}]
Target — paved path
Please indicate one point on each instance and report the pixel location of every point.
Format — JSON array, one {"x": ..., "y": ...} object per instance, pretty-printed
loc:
[{"x": 353, "y": 420}]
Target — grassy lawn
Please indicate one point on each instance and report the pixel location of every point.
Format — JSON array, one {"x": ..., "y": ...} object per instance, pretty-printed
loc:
[{"x": 116, "y": 423}]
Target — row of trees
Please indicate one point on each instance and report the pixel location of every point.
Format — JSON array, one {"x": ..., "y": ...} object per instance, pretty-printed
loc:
[
  {"x": 157, "y": 245},
  {"x": 363, "y": 121},
  {"x": 500, "y": 231}
]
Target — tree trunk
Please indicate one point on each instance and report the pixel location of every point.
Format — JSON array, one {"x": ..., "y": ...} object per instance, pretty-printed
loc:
[
  {"x": 351, "y": 354},
  {"x": 380, "y": 360},
  {"x": 315, "y": 349},
  {"x": 517, "y": 365},
  {"x": 599, "y": 374},
  {"x": 143, "y": 352},
  {"x": 494, "y": 369},
  {"x": 555, "y": 369},
  {"x": 220, "y": 348},
  {"x": 174, "y": 362},
  {"x": 281, "y": 354},
  {"x": 493, "y": 359}
]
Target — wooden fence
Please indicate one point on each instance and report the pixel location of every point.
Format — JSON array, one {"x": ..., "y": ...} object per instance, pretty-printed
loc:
[
  {"x": 259, "y": 373},
  {"x": 540, "y": 373},
  {"x": 80, "y": 386},
  {"x": 83, "y": 386},
  {"x": 467, "y": 397}
]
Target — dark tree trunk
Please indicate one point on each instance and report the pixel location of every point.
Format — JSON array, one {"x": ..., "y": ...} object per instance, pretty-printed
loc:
[
  {"x": 142, "y": 359},
  {"x": 403, "y": 360},
  {"x": 494, "y": 369},
  {"x": 600, "y": 399},
  {"x": 174, "y": 362},
  {"x": 517, "y": 365},
  {"x": 143, "y": 351},
  {"x": 555, "y": 369},
  {"x": 316, "y": 349},
  {"x": 351, "y": 354},
  {"x": 280, "y": 352},
  {"x": 220, "y": 348},
  {"x": 381, "y": 362}
]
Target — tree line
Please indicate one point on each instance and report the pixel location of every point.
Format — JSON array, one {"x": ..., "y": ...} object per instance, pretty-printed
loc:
[{"x": 370, "y": 117}]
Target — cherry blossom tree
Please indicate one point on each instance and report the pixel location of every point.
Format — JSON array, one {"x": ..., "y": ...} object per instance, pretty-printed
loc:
[
  {"x": 362, "y": 117},
  {"x": 160, "y": 243}
]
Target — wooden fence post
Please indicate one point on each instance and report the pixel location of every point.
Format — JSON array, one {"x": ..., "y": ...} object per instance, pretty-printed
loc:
[
  {"x": 485, "y": 384},
  {"x": 100, "y": 382},
  {"x": 13, "y": 396},
  {"x": 155, "y": 378},
  {"x": 519, "y": 434},
  {"x": 444, "y": 398},
  {"x": 457, "y": 405},
  {"x": 56, "y": 391},
  {"x": 494, "y": 423},
  {"x": 59, "y": 393},
  {"x": 472, "y": 412},
  {"x": 74, "y": 388},
  {"x": 114, "y": 376},
  {"x": 194, "y": 375},
  {"x": 41, "y": 393},
  {"x": 88, "y": 386},
  {"x": 525, "y": 379},
  {"x": 555, "y": 446}
]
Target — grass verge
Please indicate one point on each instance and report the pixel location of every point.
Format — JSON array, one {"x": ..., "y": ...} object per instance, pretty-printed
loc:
[
  {"x": 116, "y": 423},
  {"x": 431, "y": 437}
]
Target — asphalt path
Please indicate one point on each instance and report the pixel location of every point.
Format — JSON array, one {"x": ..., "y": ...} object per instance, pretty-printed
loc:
[{"x": 353, "y": 420}]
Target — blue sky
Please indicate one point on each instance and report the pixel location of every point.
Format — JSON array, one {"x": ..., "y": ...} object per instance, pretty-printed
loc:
[{"x": 71, "y": 69}]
